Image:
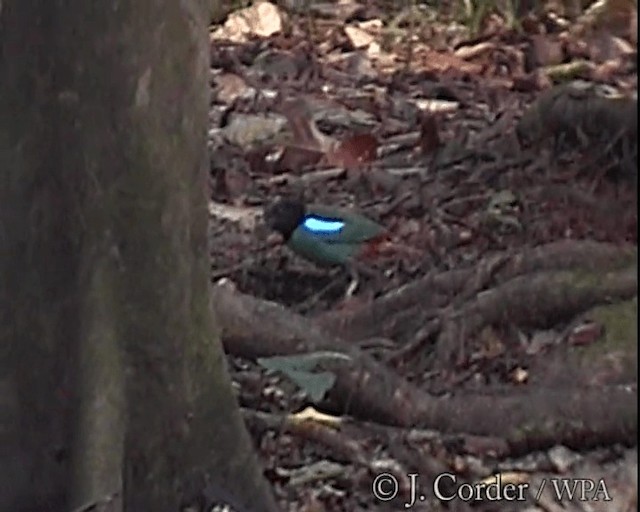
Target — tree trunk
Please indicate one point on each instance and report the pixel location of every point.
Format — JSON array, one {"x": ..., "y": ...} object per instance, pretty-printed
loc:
[{"x": 107, "y": 342}]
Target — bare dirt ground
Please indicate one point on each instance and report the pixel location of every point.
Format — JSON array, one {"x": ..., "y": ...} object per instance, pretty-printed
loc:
[{"x": 504, "y": 342}]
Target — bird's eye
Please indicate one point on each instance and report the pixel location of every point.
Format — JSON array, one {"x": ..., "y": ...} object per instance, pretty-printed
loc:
[{"x": 318, "y": 225}]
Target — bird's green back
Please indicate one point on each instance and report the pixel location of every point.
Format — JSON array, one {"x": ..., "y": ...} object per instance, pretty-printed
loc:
[
  {"x": 357, "y": 228},
  {"x": 333, "y": 247}
]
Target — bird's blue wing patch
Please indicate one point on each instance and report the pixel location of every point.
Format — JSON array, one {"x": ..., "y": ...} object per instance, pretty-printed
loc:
[{"x": 320, "y": 225}]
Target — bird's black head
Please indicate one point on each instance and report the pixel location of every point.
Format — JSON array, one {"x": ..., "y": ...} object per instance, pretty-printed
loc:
[{"x": 284, "y": 216}]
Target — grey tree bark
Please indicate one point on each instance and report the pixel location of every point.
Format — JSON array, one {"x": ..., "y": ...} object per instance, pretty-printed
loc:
[{"x": 113, "y": 385}]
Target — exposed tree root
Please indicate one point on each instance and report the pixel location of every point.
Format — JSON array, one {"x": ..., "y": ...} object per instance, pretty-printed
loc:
[
  {"x": 401, "y": 309},
  {"x": 538, "y": 300},
  {"x": 365, "y": 388}
]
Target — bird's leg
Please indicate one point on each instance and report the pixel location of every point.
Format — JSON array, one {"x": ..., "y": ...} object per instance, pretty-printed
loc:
[
  {"x": 355, "y": 282},
  {"x": 356, "y": 269}
]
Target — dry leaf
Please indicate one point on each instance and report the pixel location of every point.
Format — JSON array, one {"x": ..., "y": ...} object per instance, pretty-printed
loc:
[
  {"x": 358, "y": 37},
  {"x": 301, "y": 117},
  {"x": 245, "y": 130},
  {"x": 229, "y": 87},
  {"x": 585, "y": 333},
  {"x": 519, "y": 375},
  {"x": 442, "y": 62},
  {"x": 353, "y": 152},
  {"x": 262, "y": 19},
  {"x": 312, "y": 415},
  {"x": 471, "y": 52}
]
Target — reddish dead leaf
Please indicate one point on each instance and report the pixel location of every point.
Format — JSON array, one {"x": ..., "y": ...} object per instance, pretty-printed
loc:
[
  {"x": 257, "y": 160},
  {"x": 294, "y": 158},
  {"x": 585, "y": 333},
  {"x": 299, "y": 114},
  {"x": 429, "y": 138},
  {"x": 353, "y": 152},
  {"x": 441, "y": 62}
]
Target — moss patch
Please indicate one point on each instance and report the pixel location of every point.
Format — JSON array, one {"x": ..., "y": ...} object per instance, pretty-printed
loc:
[{"x": 617, "y": 349}]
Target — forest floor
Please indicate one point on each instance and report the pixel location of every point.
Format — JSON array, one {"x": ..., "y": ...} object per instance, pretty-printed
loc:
[{"x": 504, "y": 341}]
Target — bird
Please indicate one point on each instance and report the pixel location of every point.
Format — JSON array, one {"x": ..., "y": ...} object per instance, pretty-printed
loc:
[
  {"x": 328, "y": 236},
  {"x": 325, "y": 235}
]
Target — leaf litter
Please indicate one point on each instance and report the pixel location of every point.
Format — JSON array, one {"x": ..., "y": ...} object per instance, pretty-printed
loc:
[{"x": 475, "y": 143}]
